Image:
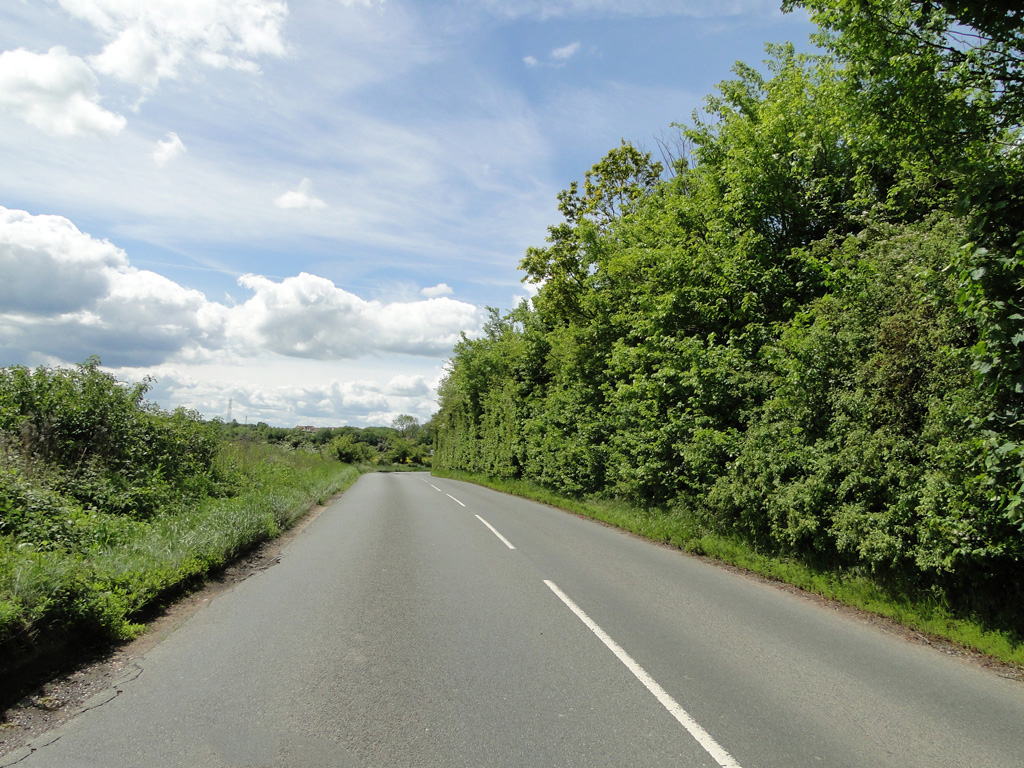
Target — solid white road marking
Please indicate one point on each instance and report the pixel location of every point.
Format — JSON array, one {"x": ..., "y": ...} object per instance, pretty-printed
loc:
[
  {"x": 455, "y": 500},
  {"x": 495, "y": 532},
  {"x": 711, "y": 746}
]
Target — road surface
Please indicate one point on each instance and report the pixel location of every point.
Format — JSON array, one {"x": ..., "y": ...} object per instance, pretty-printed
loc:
[{"x": 426, "y": 622}]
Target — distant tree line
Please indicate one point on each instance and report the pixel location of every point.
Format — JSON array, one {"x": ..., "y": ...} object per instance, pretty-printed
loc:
[
  {"x": 805, "y": 327},
  {"x": 405, "y": 441}
]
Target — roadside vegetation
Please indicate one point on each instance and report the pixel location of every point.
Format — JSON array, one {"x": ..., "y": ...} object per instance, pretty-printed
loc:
[
  {"x": 109, "y": 504},
  {"x": 798, "y": 339}
]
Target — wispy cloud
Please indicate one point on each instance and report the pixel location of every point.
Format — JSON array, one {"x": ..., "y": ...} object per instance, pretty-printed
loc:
[
  {"x": 565, "y": 52},
  {"x": 547, "y": 9}
]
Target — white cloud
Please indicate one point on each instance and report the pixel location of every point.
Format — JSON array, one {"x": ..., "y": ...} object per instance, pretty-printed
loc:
[
  {"x": 441, "y": 289},
  {"x": 168, "y": 149},
  {"x": 300, "y": 199},
  {"x": 405, "y": 385},
  {"x": 530, "y": 61},
  {"x": 327, "y": 396},
  {"x": 151, "y": 41},
  {"x": 566, "y": 51},
  {"x": 55, "y": 92},
  {"x": 51, "y": 267},
  {"x": 308, "y": 316},
  {"x": 68, "y": 295}
]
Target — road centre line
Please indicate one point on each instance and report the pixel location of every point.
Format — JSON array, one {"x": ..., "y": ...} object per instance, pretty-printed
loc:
[
  {"x": 494, "y": 530},
  {"x": 435, "y": 487},
  {"x": 712, "y": 747},
  {"x": 454, "y": 499}
]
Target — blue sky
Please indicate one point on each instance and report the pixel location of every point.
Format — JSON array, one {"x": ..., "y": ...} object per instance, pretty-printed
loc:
[{"x": 298, "y": 207}]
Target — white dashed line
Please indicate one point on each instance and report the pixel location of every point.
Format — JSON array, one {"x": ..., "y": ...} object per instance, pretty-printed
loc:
[
  {"x": 711, "y": 746},
  {"x": 455, "y": 500},
  {"x": 494, "y": 530}
]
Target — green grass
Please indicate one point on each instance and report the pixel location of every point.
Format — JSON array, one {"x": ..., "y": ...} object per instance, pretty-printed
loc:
[
  {"x": 676, "y": 528},
  {"x": 50, "y": 596}
]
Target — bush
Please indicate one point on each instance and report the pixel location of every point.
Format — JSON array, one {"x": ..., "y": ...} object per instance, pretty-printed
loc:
[
  {"x": 95, "y": 441},
  {"x": 347, "y": 450}
]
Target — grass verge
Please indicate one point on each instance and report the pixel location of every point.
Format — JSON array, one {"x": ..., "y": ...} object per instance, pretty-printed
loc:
[
  {"x": 675, "y": 528},
  {"x": 50, "y": 599}
]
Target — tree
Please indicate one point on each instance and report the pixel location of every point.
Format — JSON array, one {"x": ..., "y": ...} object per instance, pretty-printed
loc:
[
  {"x": 347, "y": 450},
  {"x": 406, "y": 425},
  {"x": 948, "y": 76},
  {"x": 610, "y": 188}
]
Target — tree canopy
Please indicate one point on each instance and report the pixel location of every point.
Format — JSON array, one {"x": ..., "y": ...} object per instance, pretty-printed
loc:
[{"x": 809, "y": 332}]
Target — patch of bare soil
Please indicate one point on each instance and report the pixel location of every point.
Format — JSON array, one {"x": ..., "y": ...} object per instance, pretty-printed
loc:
[{"x": 77, "y": 680}]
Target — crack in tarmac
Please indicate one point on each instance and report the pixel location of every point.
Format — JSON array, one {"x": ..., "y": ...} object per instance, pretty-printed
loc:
[{"x": 95, "y": 701}]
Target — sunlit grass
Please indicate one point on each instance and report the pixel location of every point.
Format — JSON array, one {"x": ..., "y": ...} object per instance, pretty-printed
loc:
[{"x": 100, "y": 592}]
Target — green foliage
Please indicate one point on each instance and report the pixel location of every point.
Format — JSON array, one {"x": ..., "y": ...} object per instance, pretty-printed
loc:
[
  {"x": 76, "y": 440},
  {"x": 611, "y": 187},
  {"x": 347, "y": 450},
  {"x": 107, "y": 503},
  {"x": 808, "y": 337}
]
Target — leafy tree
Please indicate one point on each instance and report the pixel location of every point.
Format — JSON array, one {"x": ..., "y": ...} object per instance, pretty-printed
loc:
[
  {"x": 948, "y": 79},
  {"x": 610, "y": 188},
  {"x": 406, "y": 425},
  {"x": 779, "y": 338},
  {"x": 346, "y": 449}
]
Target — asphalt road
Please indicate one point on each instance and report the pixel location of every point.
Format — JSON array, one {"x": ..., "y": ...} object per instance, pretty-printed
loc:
[{"x": 424, "y": 622}]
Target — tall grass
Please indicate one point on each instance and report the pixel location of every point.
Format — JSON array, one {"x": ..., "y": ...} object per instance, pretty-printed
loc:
[
  {"x": 922, "y": 613},
  {"x": 98, "y": 591}
]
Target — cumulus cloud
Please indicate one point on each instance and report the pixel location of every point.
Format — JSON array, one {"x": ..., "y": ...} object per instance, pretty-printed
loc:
[
  {"x": 151, "y": 41},
  {"x": 309, "y": 316},
  {"x": 168, "y": 149},
  {"x": 565, "y": 52},
  {"x": 300, "y": 199},
  {"x": 530, "y": 61},
  {"x": 408, "y": 386},
  {"x": 68, "y": 295},
  {"x": 441, "y": 289},
  {"x": 56, "y": 92},
  {"x": 322, "y": 398},
  {"x": 49, "y": 266}
]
